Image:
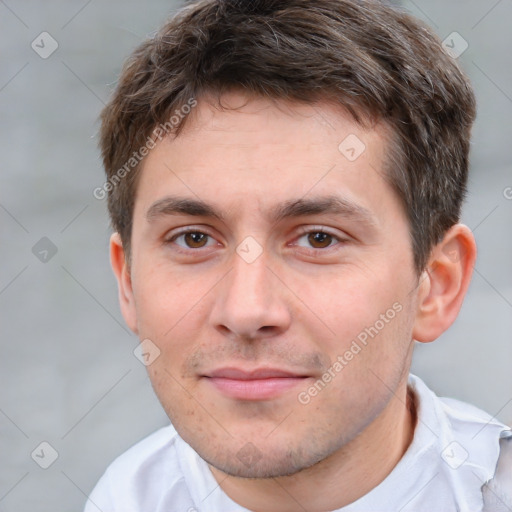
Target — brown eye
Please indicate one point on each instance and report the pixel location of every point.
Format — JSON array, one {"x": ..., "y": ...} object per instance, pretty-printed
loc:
[
  {"x": 190, "y": 239},
  {"x": 316, "y": 238},
  {"x": 195, "y": 239},
  {"x": 320, "y": 240}
]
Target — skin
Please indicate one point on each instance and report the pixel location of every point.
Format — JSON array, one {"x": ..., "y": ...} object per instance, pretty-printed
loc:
[{"x": 298, "y": 306}]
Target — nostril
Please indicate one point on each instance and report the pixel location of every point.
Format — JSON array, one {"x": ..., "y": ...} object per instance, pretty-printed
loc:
[{"x": 223, "y": 329}]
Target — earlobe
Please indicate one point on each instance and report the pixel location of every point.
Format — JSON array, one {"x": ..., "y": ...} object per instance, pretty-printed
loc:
[
  {"x": 444, "y": 283},
  {"x": 122, "y": 272}
]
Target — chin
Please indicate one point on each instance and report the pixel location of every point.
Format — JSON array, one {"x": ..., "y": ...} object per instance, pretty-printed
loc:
[{"x": 250, "y": 462}]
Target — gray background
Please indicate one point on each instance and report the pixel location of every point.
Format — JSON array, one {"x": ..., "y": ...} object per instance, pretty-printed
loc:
[{"x": 68, "y": 374}]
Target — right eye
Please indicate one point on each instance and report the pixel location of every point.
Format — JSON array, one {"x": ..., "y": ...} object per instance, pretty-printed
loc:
[{"x": 190, "y": 239}]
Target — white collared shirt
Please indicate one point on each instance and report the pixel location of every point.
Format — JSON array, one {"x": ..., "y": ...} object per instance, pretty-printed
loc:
[{"x": 453, "y": 453}]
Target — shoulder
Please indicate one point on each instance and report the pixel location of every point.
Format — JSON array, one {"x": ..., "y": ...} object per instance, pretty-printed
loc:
[
  {"x": 497, "y": 493},
  {"x": 147, "y": 460},
  {"x": 462, "y": 418},
  {"x": 135, "y": 479},
  {"x": 473, "y": 444}
]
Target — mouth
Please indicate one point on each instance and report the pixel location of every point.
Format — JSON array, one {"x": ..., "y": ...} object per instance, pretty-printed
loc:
[{"x": 255, "y": 384}]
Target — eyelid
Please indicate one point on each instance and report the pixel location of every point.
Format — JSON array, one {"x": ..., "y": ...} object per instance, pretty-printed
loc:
[
  {"x": 315, "y": 228},
  {"x": 186, "y": 229},
  {"x": 305, "y": 230}
]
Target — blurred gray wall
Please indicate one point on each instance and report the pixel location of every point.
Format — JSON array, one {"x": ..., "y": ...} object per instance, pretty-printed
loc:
[{"x": 68, "y": 375}]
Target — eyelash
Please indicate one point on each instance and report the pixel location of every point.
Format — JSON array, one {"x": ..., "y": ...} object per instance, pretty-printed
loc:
[{"x": 302, "y": 232}]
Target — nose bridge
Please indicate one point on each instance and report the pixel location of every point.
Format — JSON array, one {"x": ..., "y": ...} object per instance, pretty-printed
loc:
[{"x": 249, "y": 279}]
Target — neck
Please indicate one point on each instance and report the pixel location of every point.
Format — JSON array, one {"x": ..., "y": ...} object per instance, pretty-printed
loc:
[{"x": 343, "y": 477}]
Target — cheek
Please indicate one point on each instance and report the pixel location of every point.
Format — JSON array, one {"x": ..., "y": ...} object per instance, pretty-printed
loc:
[
  {"x": 179, "y": 405},
  {"x": 371, "y": 317},
  {"x": 348, "y": 302},
  {"x": 168, "y": 301}
]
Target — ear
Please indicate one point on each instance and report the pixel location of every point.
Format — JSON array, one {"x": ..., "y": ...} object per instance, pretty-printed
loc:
[
  {"x": 122, "y": 272},
  {"x": 444, "y": 283}
]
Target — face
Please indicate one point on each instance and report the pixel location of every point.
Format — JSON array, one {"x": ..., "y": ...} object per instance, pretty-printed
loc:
[{"x": 272, "y": 267}]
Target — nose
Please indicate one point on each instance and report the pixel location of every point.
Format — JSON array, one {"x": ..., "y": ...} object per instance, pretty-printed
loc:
[{"x": 251, "y": 301}]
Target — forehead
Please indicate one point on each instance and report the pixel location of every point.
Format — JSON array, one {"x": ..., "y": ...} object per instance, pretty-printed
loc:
[
  {"x": 257, "y": 153},
  {"x": 239, "y": 119}
]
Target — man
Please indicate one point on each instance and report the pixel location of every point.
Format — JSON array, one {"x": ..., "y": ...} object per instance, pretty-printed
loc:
[{"x": 285, "y": 181}]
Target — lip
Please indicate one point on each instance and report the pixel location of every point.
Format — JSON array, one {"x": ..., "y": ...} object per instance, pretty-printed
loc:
[{"x": 255, "y": 384}]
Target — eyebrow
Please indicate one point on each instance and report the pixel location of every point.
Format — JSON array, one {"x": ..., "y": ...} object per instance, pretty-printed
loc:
[{"x": 331, "y": 204}]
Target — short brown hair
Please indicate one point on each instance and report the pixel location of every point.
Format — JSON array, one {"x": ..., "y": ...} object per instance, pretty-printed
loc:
[{"x": 374, "y": 60}]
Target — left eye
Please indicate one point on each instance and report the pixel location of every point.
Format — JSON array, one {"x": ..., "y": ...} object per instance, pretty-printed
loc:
[{"x": 318, "y": 239}]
